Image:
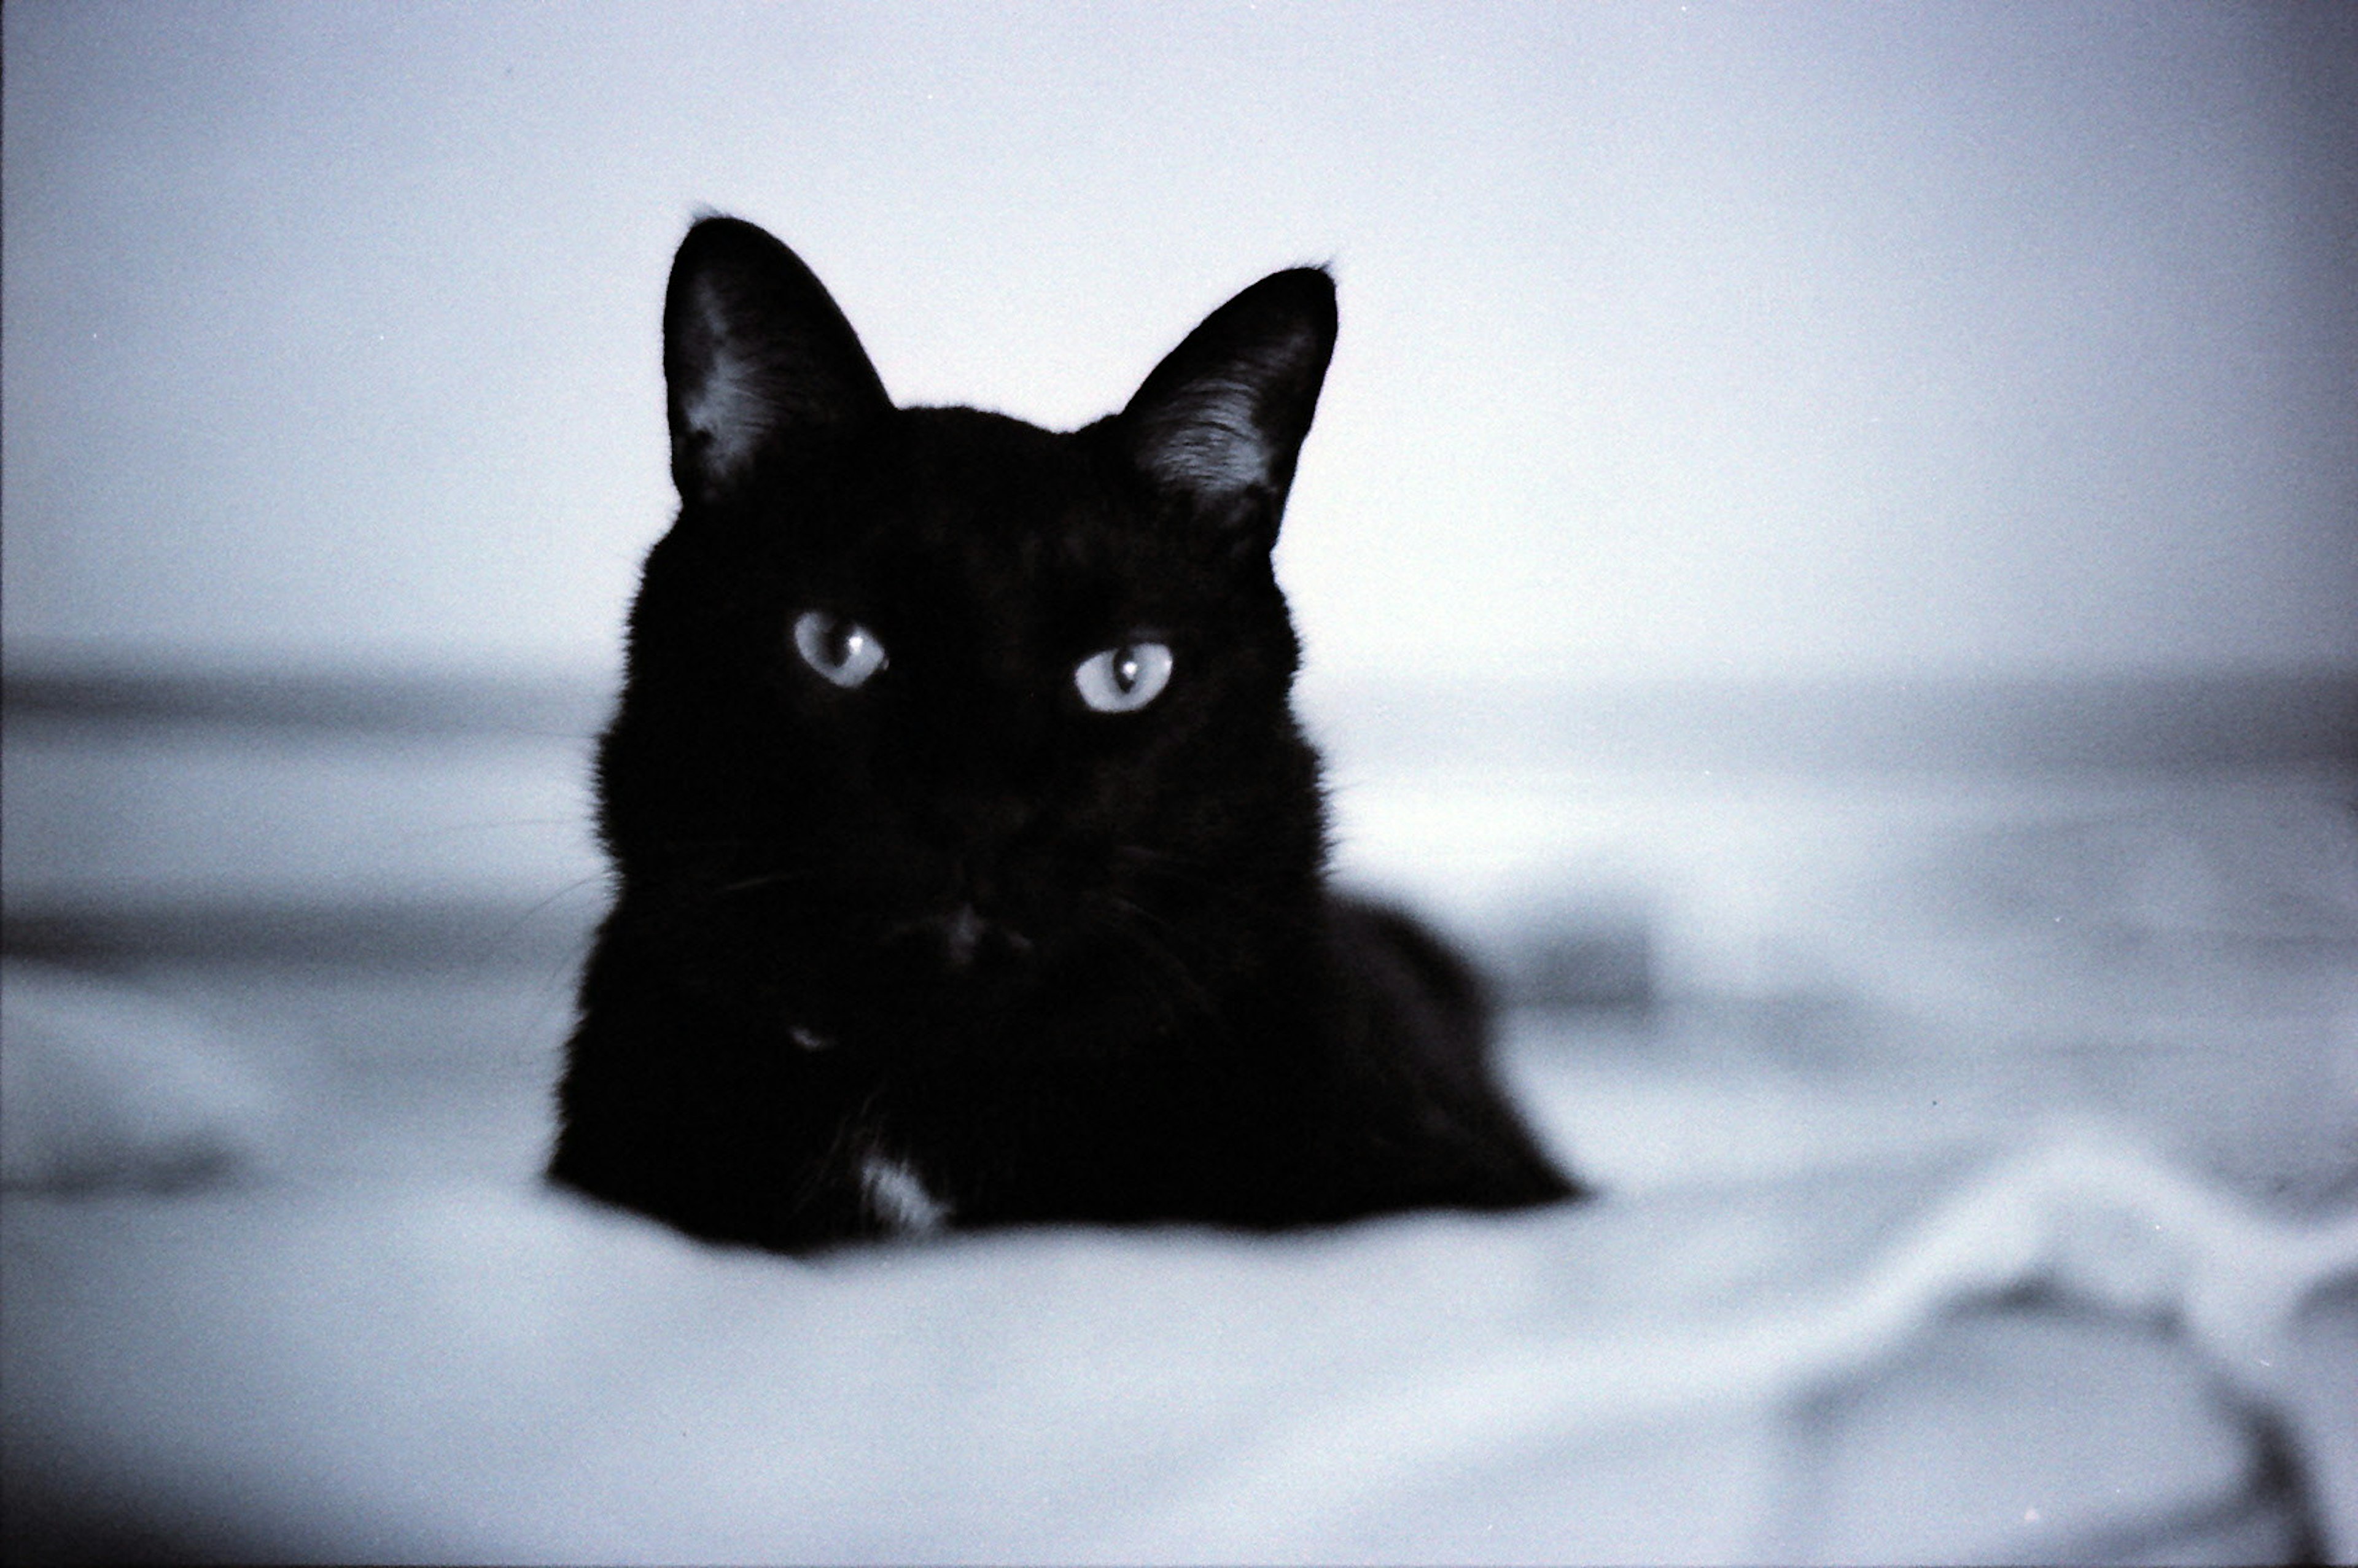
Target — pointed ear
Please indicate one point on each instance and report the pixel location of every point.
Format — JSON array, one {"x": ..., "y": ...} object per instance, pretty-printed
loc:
[
  {"x": 756, "y": 356},
  {"x": 1221, "y": 421}
]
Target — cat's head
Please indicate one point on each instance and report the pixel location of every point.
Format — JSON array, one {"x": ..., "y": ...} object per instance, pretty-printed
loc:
[{"x": 943, "y": 700}]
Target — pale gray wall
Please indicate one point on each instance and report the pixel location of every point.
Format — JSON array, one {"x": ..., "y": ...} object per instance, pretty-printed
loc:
[{"x": 1773, "y": 339}]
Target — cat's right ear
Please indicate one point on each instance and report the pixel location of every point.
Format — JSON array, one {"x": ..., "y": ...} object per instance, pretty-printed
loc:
[
  {"x": 1220, "y": 422},
  {"x": 756, "y": 357}
]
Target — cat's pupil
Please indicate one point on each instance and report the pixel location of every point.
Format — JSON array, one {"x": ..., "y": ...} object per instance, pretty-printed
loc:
[{"x": 1126, "y": 669}]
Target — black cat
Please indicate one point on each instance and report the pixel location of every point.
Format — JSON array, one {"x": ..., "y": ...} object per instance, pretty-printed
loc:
[{"x": 969, "y": 861}]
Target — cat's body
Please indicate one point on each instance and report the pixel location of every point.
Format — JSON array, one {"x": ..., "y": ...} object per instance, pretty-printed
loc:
[{"x": 969, "y": 860}]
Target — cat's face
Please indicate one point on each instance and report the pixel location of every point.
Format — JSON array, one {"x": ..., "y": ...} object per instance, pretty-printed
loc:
[{"x": 941, "y": 704}]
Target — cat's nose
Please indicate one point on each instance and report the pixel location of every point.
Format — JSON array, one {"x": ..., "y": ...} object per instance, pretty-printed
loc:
[
  {"x": 962, "y": 935},
  {"x": 965, "y": 943}
]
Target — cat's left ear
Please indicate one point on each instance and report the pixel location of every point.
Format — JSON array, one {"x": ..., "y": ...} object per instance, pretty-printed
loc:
[
  {"x": 756, "y": 357},
  {"x": 1220, "y": 421}
]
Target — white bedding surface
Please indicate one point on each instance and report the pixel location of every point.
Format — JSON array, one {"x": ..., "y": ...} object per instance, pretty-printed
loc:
[
  {"x": 2058, "y": 1355},
  {"x": 1984, "y": 1190}
]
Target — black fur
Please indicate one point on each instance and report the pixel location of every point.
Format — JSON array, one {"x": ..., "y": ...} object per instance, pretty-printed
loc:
[{"x": 948, "y": 945}]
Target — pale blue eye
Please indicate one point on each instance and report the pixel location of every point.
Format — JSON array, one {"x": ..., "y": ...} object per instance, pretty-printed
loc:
[
  {"x": 844, "y": 651},
  {"x": 1124, "y": 680}
]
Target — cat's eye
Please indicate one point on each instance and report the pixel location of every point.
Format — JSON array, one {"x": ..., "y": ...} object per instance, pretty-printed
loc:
[
  {"x": 1123, "y": 679},
  {"x": 844, "y": 651}
]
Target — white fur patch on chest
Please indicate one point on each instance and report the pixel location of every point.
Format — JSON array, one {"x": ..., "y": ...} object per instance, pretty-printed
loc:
[{"x": 897, "y": 1198}]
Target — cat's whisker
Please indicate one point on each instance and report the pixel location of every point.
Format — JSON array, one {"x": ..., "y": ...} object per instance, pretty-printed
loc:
[
  {"x": 1169, "y": 868},
  {"x": 1168, "y": 964},
  {"x": 540, "y": 906},
  {"x": 678, "y": 846},
  {"x": 767, "y": 879}
]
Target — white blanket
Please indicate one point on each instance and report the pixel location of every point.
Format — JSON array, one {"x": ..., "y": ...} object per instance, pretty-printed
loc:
[{"x": 1974, "y": 1345}]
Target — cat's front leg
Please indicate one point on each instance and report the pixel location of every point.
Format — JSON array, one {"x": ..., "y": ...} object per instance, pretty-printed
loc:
[{"x": 730, "y": 1133}]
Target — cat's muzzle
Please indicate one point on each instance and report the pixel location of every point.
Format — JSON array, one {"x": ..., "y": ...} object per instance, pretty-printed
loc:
[{"x": 962, "y": 944}]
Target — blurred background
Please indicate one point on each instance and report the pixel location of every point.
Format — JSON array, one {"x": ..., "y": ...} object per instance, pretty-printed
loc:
[
  {"x": 1813, "y": 508},
  {"x": 1829, "y": 560}
]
